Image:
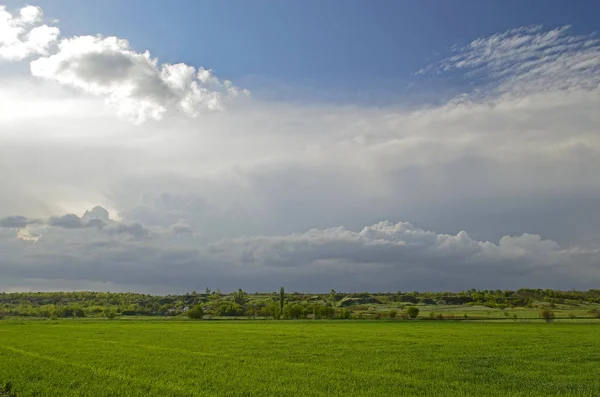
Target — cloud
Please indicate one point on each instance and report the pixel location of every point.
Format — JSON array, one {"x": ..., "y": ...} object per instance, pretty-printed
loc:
[
  {"x": 97, "y": 218},
  {"x": 135, "y": 83},
  {"x": 68, "y": 221},
  {"x": 134, "y": 230},
  {"x": 97, "y": 213},
  {"x": 180, "y": 228},
  {"x": 251, "y": 197},
  {"x": 530, "y": 59},
  {"x": 400, "y": 244},
  {"x": 132, "y": 82},
  {"x": 381, "y": 256},
  {"x": 16, "y": 221},
  {"x": 22, "y": 36}
]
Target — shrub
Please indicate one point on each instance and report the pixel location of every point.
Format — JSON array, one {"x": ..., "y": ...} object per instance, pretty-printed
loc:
[
  {"x": 271, "y": 310},
  {"x": 323, "y": 311},
  {"x": 440, "y": 316},
  {"x": 196, "y": 312},
  {"x": 6, "y": 390},
  {"x": 293, "y": 311},
  {"x": 392, "y": 313},
  {"x": 229, "y": 309},
  {"x": 547, "y": 315},
  {"x": 344, "y": 314},
  {"x": 413, "y": 312}
]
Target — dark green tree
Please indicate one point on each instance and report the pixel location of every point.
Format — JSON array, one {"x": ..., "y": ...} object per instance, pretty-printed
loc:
[
  {"x": 281, "y": 299},
  {"x": 547, "y": 315},
  {"x": 412, "y": 311},
  {"x": 240, "y": 297},
  {"x": 196, "y": 312}
]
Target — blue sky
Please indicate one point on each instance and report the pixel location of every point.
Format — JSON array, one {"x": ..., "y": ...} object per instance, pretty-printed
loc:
[
  {"x": 387, "y": 145},
  {"x": 341, "y": 50}
]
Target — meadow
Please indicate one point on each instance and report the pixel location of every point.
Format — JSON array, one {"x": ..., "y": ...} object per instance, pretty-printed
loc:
[{"x": 79, "y": 357}]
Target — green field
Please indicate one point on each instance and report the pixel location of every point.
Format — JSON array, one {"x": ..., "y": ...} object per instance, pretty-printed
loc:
[{"x": 304, "y": 358}]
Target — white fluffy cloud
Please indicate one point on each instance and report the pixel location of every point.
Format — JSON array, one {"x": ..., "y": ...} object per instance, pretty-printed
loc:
[
  {"x": 22, "y": 35},
  {"x": 248, "y": 197},
  {"x": 133, "y": 82}
]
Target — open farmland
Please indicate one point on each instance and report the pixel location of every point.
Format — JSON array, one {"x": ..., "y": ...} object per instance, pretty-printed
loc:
[{"x": 308, "y": 358}]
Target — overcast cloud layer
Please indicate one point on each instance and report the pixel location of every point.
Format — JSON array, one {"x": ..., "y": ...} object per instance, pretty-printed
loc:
[{"x": 188, "y": 181}]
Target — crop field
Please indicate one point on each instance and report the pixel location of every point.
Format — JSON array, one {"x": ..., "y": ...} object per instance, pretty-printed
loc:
[{"x": 304, "y": 358}]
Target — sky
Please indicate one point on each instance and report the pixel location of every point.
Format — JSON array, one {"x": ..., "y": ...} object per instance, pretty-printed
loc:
[{"x": 164, "y": 148}]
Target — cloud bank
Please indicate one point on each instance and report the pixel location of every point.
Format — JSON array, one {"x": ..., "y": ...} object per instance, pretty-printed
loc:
[{"x": 379, "y": 256}]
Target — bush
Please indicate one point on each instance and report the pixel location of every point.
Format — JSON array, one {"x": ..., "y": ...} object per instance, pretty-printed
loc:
[
  {"x": 229, "y": 309},
  {"x": 271, "y": 310},
  {"x": 325, "y": 311},
  {"x": 344, "y": 314},
  {"x": 294, "y": 311},
  {"x": 440, "y": 316},
  {"x": 547, "y": 315},
  {"x": 6, "y": 390},
  {"x": 392, "y": 313},
  {"x": 196, "y": 312},
  {"x": 413, "y": 312}
]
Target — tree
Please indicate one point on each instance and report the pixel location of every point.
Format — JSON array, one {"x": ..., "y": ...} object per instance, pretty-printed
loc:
[
  {"x": 240, "y": 297},
  {"x": 413, "y": 312},
  {"x": 229, "y": 309},
  {"x": 547, "y": 315},
  {"x": 281, "y": 299},
  {"x": 271, "y": 310},
  {"x": 196, "y": 312},
  {"x": 333, "y": 295},
  {"x": 294, "y": 311}
]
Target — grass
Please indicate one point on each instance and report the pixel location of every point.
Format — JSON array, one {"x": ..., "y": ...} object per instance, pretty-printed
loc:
[{"x": 304, "y": 358}]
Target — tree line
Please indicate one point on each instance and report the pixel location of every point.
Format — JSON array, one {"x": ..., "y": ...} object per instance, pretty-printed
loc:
[{"x": 281, "y": 304}]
